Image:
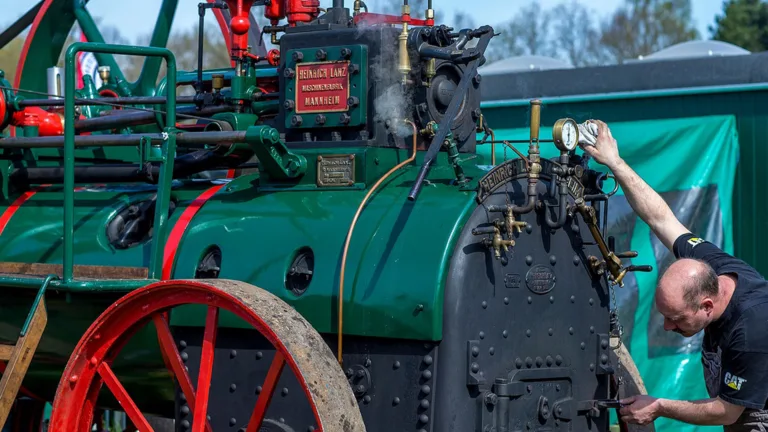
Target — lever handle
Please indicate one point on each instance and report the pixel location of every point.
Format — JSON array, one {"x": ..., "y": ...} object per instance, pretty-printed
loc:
[
  {"x": 484, "y": 230},
  {"x": 640, "y": 268},
  {"x": 629, "y": 254}
]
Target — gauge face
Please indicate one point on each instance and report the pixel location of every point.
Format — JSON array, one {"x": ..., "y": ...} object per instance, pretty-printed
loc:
[{"x": 566, "y": 134}]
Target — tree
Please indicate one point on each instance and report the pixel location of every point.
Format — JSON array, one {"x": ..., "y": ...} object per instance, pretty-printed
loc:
[
  {"x": 577, "y": 35},
  {"x": 9, "y": 57},
  {"x": 641, "y": 27},
  {"x": 526, "y": 33},
  {"x": 743, "y": 23}
]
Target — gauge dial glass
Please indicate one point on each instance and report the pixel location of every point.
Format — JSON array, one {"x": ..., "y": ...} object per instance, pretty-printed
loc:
[{"x": 570, "y": 135}]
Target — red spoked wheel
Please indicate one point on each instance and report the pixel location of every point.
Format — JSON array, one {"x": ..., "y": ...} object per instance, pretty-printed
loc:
[{"x": 297, "y": 345}]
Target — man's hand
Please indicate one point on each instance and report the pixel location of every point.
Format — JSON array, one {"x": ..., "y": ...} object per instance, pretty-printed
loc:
[
  {"x": 605, "y": 150},
  {"x": 640, "y": 409},
  {"x": 643, "y": 410}
]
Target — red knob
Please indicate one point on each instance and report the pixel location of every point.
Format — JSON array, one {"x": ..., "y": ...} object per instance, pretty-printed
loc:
[{"x": 240, "y": 25}]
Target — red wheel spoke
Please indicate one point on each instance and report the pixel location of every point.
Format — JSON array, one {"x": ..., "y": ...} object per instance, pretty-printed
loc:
[
  {"x": 206, "y": 369},
  {"x": 273, "y": 375},
  {"x": 122, "y": 396},
  {"x": 173, "y": 359},
  {"x": 168, "y": 347}
]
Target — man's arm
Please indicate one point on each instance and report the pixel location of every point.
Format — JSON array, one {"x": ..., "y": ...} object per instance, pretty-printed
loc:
[
  {"x": 702, "y": 412},
  {"x": 708, "y": 412},
  {"x": 648, "y": 205}
]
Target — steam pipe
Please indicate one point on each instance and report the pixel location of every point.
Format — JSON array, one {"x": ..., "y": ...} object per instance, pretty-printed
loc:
[
  {"x": 136, "y": 118},
  {"x": 183, "y": 166},
  {"x": 131, "y": 100},
  {"x": 339, "y": 4},
  {"x": 534, "y": 168},
  {"x": 182, "y": 138},
  {"x": 135, "y": 100},
  {"x": 562, "y": 199}
]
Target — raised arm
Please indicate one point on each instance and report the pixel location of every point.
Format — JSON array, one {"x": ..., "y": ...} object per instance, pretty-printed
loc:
[{"x": 648, "y": 205}]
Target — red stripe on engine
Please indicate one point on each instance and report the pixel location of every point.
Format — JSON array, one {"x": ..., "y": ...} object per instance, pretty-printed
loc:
[
  {"x": 178, "y": 230},
  {"x": 9, "y": 212}
]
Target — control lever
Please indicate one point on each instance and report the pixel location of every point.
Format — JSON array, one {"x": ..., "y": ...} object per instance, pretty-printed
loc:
[
  {"x": 486, "y": 33},
  {"x": 640, "y": 268},
  {"x": 456, "y": 51},
  {"x": 612, "y": 260},
  {"x": 608, "y": 403},
  {"x": 630, "y": 254}
]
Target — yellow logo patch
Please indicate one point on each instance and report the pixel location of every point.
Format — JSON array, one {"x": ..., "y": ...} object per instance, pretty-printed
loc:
[{"x": 733, "y": 381}]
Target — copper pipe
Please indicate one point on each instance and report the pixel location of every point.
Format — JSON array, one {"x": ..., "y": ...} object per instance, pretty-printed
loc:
[{"x": 352, "y": 228}]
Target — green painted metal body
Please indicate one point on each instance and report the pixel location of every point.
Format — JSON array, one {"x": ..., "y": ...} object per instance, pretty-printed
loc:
[
  {"x": 396, "y": 265},
  {"x": 746, "y": 102},
  {"x": 397, "y": 261}
]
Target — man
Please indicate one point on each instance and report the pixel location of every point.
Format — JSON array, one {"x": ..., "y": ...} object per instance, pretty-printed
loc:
[{"x": 704, "y": 289}]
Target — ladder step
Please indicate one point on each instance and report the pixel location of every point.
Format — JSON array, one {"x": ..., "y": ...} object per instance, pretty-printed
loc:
[
  {"x": 20, "y": 356},
  {"x": 78, "y": 271},
  {"x": 5, "y": 352}
]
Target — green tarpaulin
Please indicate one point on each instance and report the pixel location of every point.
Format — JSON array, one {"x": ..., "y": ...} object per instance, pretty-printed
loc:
[{"x": 691, "y": 163}]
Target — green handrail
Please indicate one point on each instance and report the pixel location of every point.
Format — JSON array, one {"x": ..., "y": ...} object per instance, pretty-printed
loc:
[{"x": 169, "y": 153}]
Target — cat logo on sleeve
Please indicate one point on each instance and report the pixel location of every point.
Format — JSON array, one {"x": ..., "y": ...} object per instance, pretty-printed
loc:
[
  {"x": 733, "y": 381},
  {"x": 694, "y": 241}
]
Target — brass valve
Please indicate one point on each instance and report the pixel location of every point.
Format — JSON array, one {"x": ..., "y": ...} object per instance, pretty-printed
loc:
[
  {"x": 497, "y": 243},
  {"x": 430, "y": 130},
  {"x": 513, "y": 224}
]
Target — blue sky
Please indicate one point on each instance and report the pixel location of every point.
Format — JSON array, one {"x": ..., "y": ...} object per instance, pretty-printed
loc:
[{"x": 136, "y": 17}]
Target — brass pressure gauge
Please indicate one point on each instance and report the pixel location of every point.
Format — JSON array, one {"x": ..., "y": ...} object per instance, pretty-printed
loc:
[{"x": 565, "y": 133}]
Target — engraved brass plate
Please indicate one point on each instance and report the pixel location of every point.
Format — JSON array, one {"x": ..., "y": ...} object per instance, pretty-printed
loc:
[
  {"x": 322, "y": 87},
  {"x": 495, "y": 178},
  {"x": 575, "y": 188},
  {"x": 540, "y": 279},
  {"x": 335, "y": 170}
]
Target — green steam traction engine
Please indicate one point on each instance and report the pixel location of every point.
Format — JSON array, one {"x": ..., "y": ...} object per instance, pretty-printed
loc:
[{"x": 305, "y": 241}]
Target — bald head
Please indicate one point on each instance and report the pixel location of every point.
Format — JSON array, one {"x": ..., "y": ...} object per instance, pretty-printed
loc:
[
  {"x": 690, "y": 278},
  {"x": 686, "y": 295}
]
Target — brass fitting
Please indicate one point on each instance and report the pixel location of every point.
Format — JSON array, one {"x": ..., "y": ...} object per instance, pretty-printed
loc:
[
  {"x": 104, "y": 73},
  {"x": 511, "y": 223},
  {"x": 404, "y": 64},
  {"x": 218, "y": 82},
  {"x": 430, "y": 130},
  {"x": 356, "y": 7},
  {"x": 498, "y": 243},
  {"x": 430, "y": 71},
  {"x": 533, "y": 150}
]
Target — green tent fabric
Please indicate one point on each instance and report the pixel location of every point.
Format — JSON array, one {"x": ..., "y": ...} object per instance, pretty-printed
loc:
[{"x": 691, "y": 163}]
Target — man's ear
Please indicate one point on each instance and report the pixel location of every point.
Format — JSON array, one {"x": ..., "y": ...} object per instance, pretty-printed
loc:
[{"x": 707, "y": 304}]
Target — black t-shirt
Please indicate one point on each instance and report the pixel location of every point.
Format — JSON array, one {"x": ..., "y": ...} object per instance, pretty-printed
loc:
[{"x": 735, "y": 348}]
